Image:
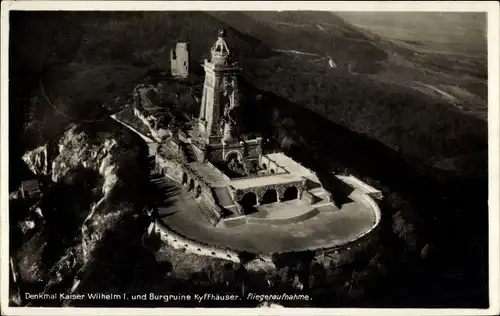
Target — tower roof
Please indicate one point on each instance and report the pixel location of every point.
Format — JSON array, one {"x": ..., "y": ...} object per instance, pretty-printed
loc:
[
  {"x": 222, "y": 32},
  {"x": 220, "y": 50}
]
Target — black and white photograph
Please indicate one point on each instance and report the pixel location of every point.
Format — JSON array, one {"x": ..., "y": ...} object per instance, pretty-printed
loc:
[{"x": 165, "y": 156}]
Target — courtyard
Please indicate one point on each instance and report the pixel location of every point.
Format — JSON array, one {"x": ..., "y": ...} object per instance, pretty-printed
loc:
[{"x": 326, "y": 226}]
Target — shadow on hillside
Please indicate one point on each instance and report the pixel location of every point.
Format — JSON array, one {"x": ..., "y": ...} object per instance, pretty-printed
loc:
[
  {"x": 314, "y": 32},
  {"x": 340, "y": 190},
  {"x": 328, "y": 147},
  {"x": 438, "y": 199},
  {"x": 65, "y": 208}
]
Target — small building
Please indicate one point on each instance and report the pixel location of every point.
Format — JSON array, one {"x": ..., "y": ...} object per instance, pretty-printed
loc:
[
  {"x": 30, "y": 189},
  {"x": 179, "y": 60}
]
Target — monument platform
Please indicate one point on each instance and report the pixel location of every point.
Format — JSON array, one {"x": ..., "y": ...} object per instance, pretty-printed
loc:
[
  {"x": 305, "y": 230},
  {"x": 272, "y": 179}
]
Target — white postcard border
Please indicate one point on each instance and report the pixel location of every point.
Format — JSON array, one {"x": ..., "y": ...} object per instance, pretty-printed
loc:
[{"x": 492, "y": 10}]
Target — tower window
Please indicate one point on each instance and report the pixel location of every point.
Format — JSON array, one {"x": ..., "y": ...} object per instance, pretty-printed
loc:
[{"x": 174, "y": 54}]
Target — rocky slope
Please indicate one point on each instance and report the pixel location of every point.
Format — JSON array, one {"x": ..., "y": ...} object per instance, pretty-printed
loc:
[{"x": 88, "y": 170}]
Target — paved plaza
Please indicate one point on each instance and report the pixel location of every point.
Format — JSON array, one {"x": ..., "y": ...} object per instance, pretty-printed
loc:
[{"x": 328, "y": 228}]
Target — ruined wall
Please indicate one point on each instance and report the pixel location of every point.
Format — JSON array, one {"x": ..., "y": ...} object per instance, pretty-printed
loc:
[{"x": 179, "y": 60}]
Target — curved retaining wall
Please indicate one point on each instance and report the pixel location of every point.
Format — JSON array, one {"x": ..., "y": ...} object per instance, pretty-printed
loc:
[
  {"x": 336, "y": 253},
  {"x": 180, "y": 242},
  {"x": 283, "y": 221}
]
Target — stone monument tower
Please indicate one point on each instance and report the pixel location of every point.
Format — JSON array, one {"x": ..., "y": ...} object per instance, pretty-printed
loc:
[{"x": 217, "y": 121}]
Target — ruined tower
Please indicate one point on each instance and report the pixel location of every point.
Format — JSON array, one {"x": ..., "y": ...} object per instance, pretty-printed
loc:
[
  {"x": 179, "y": 60},
  {"x": 220, "y": 93}
]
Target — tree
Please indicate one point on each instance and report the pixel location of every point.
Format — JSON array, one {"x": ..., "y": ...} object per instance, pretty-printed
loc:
[
  {"x": 425, "y": 252},
  {"x": 405, "y": 230}
]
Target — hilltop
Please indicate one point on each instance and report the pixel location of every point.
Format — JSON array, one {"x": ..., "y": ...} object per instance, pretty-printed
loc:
[{"x": 336, "y": 92}]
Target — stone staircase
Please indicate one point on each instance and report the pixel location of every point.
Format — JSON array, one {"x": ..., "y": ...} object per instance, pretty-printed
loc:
[
  {"x": 158, "y": 180},
  {"x": 164, "y": 190},
  {"x": 224, "y": 200},
  {"x": 316, "y": 196}
]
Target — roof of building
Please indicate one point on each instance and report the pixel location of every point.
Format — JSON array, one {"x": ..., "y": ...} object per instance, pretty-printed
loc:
[{"x": 30, "y": 185}]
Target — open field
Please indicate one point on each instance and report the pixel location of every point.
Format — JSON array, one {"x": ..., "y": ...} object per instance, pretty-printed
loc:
[{"x": 446, "y": 32}]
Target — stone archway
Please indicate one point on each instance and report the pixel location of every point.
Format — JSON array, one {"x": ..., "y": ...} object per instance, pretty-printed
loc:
[
  {"x": 270, "y": 196},
  {"x": 198, "y": 191},
  {"x": 184, "y": 179},
  {"x": 233, "y": 155},
  {"x": 191, "y": 185},
  {"x": 248, "y": 202},
  {"x": 291, "y": 193}
]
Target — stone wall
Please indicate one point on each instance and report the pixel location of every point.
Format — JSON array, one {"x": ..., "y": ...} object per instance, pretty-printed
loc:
[
  {"x": 361, "y": 186},
  {"x": 337, "y": 255},
  {"x": 173, "y": 146},
  {"x": 220, "y": 172},
  {"x": 209, "y": 209},
  {"x": 170, "y": 168},
  {"x": 271, "y": 166},
  {"x": 178, "y": 241},
  {"x": 251, "y": 150},
  {"x": 350, "y": 250},
  {"x": 177, "y": 170},
  {"x": 159, "y": 134},
  {"x": 200, "y": 154},
  {"x": 279, "y": 188}
]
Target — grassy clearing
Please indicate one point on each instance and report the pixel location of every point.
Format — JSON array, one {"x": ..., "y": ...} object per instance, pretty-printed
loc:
[{"x": 435, "y": 31}]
